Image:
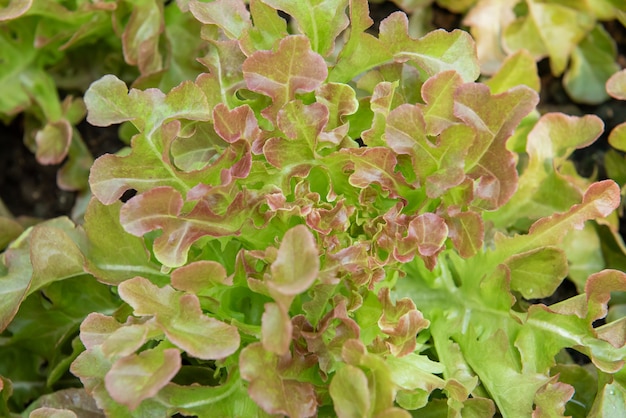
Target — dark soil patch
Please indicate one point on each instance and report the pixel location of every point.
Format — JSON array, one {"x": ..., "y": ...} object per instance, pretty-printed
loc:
[{"x": 28, "y": 188}]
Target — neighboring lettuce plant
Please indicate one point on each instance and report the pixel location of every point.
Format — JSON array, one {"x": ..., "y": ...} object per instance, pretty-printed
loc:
[
  {"x": 569, "y": 33},
  {"x": 47, "y": 46},
  {"x": 327, "y": 223}
]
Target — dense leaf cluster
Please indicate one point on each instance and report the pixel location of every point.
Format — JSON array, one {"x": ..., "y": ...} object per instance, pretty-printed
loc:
[{"x": 326, "y": 222}]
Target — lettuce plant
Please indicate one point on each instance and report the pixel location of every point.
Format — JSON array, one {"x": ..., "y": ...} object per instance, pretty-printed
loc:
[
  {"x": 570, "y": 34},
  {"x": 325, "y": 223},
  {"x": 50, "y": 46}
]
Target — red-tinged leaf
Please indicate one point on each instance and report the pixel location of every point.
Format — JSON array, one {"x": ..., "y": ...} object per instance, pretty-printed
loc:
[
  {"x": 436, "y": 52},
  {"x": 494, "y": 118},
  {"x": 48, "y": 252},
  {"x": 336, "y": 219},
  {"x": 373, "y": 165},
  {"x": 225, "y": 77},
  {"x": 276, "y": 329},
  {"x": 199, "y": 335},
  {"x": 613, "y": 332},
  {"x": 439, "y": 165},
  {"x": 143, "y": 169},
  {"x": 599, "y": 201},
  {"x": 598, "y": 290},
  {"x": 616, "y": 85},
  {"x": 137, "y": 377},
  {"x": 200, "y": 276},
  {"x": 322, "y": 21},
  {"x": 15, "y": 9},
  {"x": 550, "y": 400},
  {"x": 269, "y": 386},
  {"x": 467, "y": 232},
  {"x": 182, "y": 319},
  {"x": 230, "y": 15},
  {"x": 557, "y": 135},
  {"x": 292, "y": 69},
  {"x": 553, "y": 139},
  {"x": 381, "y": 105},
  {"x": 96, "y": 328},
  {"x": 438, "y": 94},
  {"x": 350, "y": 393},
  {"x": 53, "y": 142},
  {"x": 327, "y": 339},
  {"x": 401, "y": 321},
  {"x": 160, "y": 208},
  {"x": 140, "y": 39},
  {"x": 54, "y": 254},
  {"x": 282, "y": 153},
  {"x": 339, "y": 99},
  {"x": 236, "y": 124},
  {"x": 129, "y": 339},
  {"x": 303, "y": 123},
  {"x": 404, "y": 236},
  {"x": 148, "y": 299},
  {"x": 297, "y": 263},
  {"x": 109, "y": 102}
]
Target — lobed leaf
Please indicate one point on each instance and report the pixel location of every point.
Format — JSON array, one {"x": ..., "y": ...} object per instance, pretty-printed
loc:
[
  {"x": 401, "y": 321},
  {"x": 199, "y": 276},
  {"x": 487, "y": 160},
  {"x": 182, "y": 319},
  {"x": 293, "y": 68},
  {"x": 321, "y": 21},
  {"x": 109, "y": 102},
  {"x": 599, "y": 200},
  {"x": 553, "y": 139},
  {"x": 140, "y": 40},
  {"x": 435, "y": 52},
  {"x": 160, "y": 208},
  {"x": 271, "y": 386},
  {"x": 137, "y": 377},
  {"x": 230, "y": 15},
  {"x": 549, "y": 29},
  {"x": 297, "y": 263}
]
